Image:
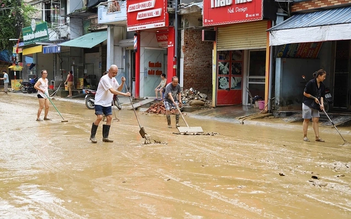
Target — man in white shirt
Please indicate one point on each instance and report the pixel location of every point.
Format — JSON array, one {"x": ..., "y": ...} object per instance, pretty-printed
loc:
[{"x": 108, "y": 86}]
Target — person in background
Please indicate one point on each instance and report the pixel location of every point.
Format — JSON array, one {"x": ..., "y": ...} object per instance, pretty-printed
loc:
[
  {"x": 173, "y": 96},
  {"x": 313, "y": 101},
  {"x": 6, "y": 81},
  {"x": 108, "y": 86},
  {"x": 69, "y": 82},
  {"x": 42, "y": 87},
  {"x": 161, "y": 87}
]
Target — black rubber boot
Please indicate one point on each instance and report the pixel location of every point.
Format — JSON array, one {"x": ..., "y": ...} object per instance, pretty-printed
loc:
[
  {"x": 93, "y": 132},
  {"x": 105, "y": 133},
  {"x": 169, "y": 121},
  {"x": 177, "y": 120}
]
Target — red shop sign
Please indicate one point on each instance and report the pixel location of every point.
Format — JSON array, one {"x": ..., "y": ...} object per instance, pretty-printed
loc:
[
  {"x": 162, "y": 39},
  {"x": 146, "y": 14},
  {"x": 219, "y": 12}
]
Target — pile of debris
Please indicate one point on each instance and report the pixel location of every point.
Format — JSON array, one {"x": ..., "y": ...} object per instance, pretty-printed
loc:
[
  {"x": 193, "y": 97},
  {"x": 190, "y": 97}
]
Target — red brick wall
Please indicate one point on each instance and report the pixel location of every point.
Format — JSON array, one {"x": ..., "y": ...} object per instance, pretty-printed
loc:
[
  {"x": 197, "y": 62},
  {"x": 312, "y": 4}
]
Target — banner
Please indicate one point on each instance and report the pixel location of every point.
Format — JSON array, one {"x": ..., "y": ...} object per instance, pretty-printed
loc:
[
  {"x": 35, "y": 33},
  {"x": 220, "y": 12},
  {"x": 146, "y": 14}
]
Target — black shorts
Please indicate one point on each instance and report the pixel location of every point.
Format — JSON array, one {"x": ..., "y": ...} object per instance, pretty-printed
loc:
[{"x": 39, "y": 96}]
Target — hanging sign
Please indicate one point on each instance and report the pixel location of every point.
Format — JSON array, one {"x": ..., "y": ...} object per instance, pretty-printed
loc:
[
  {"x": 35, "y": 33},
  {"x": 146, "y": 14}
]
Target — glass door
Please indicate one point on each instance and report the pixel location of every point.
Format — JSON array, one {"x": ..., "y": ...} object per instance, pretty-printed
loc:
[{"x": 229, "y": 77}]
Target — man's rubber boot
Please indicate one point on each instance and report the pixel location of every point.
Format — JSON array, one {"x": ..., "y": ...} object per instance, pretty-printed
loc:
[
  {"x": 177, "y": 120},
  {"x": 169, "y": 121},
  {"x": 93, "y": 132},
  {"x": 105, "y": 133}
]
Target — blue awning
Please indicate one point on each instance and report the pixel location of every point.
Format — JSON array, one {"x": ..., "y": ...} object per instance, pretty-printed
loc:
[{"x": 326, "y": 25}]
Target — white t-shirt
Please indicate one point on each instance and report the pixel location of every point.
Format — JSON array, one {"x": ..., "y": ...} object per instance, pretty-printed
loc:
[
  {"x": 44, "y": 84},
  {"x": 103, "y": 96}
]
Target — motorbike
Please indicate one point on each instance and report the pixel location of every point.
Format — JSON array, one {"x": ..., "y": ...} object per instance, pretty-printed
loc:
[
  {"x": 90, "y": 99},
  {"x": 328, "y": 99},
  {"x": 27, "y": 87}
]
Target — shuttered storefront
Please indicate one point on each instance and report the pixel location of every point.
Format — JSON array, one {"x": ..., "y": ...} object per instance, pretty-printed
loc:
[{"x": 243, "y": 36}]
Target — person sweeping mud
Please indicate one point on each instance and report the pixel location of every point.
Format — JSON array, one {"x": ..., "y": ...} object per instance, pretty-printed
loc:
[
  {"x": 172, "y": 96},
  {"x": 108, "y": 86},
  {"x": 313, "y": 101},
  {"x": 42, "y": 87}
]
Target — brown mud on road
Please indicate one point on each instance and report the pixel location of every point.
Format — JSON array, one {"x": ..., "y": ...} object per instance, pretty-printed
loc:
[{"x": 50, "y": 169}]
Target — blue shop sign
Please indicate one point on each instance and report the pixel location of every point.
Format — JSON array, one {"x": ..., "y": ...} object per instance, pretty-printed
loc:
[{"x": 51, "y": 49}]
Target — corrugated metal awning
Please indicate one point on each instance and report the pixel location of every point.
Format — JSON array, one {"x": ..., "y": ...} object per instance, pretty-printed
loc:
[{"x": 327, "y": 25}]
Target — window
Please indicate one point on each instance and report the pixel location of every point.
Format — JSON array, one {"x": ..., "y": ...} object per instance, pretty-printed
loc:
[{"x": 54, "y": 12}]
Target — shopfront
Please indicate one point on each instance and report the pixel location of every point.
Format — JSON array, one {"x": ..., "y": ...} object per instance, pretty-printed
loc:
[
  {"x": 304, "y": 47},
  {"x": 154, "y": 44},
  {"x": 241, "y": 52}
]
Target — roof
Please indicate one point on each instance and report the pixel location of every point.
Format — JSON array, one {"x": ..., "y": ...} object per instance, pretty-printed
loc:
[
  {"x": 88, "y": 40},
  {"x": 314, "y": 19}
]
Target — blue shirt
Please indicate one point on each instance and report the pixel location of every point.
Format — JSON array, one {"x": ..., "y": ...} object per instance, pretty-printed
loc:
[{"x": 6, "y": 78}]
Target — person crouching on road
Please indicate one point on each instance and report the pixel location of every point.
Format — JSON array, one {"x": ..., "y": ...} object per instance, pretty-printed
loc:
[
  {"x": 108, "y": 86},
  {"x": 173, "y": 96},
  {"x": 42, "y": 87},
  {"x": 313, "y": 101}
]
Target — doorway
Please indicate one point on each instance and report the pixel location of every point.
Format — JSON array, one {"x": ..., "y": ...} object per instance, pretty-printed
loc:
[
  {"x": 229, "y": 77},
  {"x": 342, "y": 70},
  {"x": 256, "y": 73}
]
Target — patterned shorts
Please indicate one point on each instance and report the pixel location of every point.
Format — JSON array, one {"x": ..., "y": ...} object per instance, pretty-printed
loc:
[{"x": 169, "y": 105}]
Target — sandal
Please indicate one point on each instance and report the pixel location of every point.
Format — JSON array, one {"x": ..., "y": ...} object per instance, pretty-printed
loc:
[
  {"x": 319, "y": 139},
  {"x": 47, "y": 119},
  {"x": 306, "y": 139},
  {"x": 38, "y": 120}
]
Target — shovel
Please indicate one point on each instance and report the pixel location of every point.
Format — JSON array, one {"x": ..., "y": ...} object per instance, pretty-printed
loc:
[
  {"x": 187, "y": 129},
  {"x": 142, "y": 132}
]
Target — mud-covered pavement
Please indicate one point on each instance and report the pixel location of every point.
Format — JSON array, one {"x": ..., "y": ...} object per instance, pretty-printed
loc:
[{"x": 50, "y": 169}]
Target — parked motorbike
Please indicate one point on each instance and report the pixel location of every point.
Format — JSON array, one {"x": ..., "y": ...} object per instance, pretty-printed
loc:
[
  {"x": 28, "y": 87},
  {"x": 328, "y": 99},
  {"x": 90, "y": 99}
]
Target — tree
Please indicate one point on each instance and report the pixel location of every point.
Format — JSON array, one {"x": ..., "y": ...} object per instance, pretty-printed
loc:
[{"x": 14, "y": 15}]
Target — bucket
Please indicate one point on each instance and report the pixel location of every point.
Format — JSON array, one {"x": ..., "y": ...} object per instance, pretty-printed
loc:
[
  {"x": 261, "y": 104},
  {"x": 51, "y": 87},
  {"x": 66, "y": 88}
]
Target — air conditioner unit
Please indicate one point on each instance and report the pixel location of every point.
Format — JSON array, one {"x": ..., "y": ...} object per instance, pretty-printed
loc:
[{"x": 208, "y": 35}]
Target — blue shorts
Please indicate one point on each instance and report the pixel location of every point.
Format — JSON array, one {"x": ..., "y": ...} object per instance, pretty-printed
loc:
[{"x": 103, "y": 110}]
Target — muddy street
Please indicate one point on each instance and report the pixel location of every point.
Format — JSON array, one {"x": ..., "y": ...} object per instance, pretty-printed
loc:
[{"x": 50, "y": 169}]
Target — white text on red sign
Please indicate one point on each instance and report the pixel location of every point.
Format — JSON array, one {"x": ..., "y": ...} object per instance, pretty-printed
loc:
[
  {"x": 223, "y": 3},
  {"x": 141, "y": 6},
  {"x": 149, "y": 14}
]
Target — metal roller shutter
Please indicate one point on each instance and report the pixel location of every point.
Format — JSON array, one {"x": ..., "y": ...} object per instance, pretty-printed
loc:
[{"x": 250, "y": 35}]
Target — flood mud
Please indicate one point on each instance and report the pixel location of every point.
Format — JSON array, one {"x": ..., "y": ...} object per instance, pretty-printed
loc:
[{"x": 50, "y": 169}]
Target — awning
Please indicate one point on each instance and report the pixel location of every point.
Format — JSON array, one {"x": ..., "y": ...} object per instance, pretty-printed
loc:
[
  {"x": 31, "y": 50},
  {"x": 16, "y": 68},
  {"x": 327, "y": 25},
  {"x": 88, "y": 40}
]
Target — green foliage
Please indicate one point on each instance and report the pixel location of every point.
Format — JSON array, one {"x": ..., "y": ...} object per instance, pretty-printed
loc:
[{"x": 14, "y": 15}]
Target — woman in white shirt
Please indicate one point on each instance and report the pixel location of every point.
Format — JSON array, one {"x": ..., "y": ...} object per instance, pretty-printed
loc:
[{"x": 42, "y": 87}]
